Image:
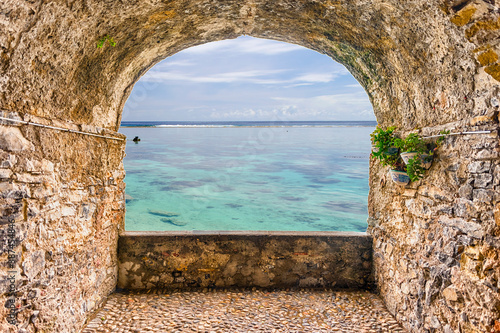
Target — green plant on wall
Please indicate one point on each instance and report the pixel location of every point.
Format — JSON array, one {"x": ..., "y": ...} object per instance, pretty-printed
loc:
[
  {"x": 440, "y": 140},
  {"x": 103, "y": 40},
  {"x": 415, "y": 152},
  {"x": 412, "y": 143},
  {"x": 415, "y": 145},
  {"x": 414, "y": 168},
  {"x": 384, "y": 148}
]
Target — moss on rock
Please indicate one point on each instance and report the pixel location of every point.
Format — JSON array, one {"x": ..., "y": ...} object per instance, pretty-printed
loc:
[
  {"x": 487, "y": 58},
  {"x": 464, "y": 16},
  {"x": 494, "y": 71}
]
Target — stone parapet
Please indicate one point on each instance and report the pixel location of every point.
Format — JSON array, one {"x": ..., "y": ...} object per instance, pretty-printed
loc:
[{"x": 244, "y": 259}]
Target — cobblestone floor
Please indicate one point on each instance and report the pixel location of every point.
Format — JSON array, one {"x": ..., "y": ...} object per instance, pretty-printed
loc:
[{"x": 244, "y": 311}]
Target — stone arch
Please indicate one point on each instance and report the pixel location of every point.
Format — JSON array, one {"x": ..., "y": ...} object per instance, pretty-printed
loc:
[
  {"x": 424, "y": 64},
  {"x": 79, "y": 82}
]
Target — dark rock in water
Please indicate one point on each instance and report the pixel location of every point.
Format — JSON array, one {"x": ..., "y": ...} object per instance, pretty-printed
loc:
[
  {"x": 346, "y": 206},
  {"x": 293, "y": 198},
  {"x": 257, "y": 183},
  {"x": 179, "y": 185},
  {"x": 131, "y": 172},
  {"x": 128, "y": 198},
  {"x": 324, "y": 227},
  {"x": 164, "y": 181},
  {"x": 233, "y": 205},
  {"x": 223, "y": 188},
  {"x": 306, "y": 219},
  {"x": 208, "y": 180},
  {"x": 173, "y": 221},
  {"x": 325, "y": 181},
  {"x": 356, "y": 177},
  {"x": 162, "y": 213}
]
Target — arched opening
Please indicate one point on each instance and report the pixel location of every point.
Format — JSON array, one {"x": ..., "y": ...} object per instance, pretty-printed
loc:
[{"x": 247, "y": 134}]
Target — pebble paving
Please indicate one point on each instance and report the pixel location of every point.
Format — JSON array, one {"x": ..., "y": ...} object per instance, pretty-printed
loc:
[{"x": 243, "y": 311}]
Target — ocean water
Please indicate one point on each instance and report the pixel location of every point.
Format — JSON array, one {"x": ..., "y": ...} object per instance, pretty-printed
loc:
[{"x": 303, "y": 176}]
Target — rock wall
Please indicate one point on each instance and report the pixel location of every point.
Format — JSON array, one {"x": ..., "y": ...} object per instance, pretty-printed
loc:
[
  {"x": 184, "y": 260},
  {"x": 437, "y": 241},
  {"x": 425, "y": 64},
  {"x": 436, "y": 248},
  {"x": 61, "y": 207}
]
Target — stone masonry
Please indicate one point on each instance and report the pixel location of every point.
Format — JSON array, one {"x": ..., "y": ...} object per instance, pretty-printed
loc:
[
  {"x": 444, "y": 276},
  {"x": 61, "y": 192},
  {"x": 426, "y": 65},
  {"x": 187, "y": 260}
]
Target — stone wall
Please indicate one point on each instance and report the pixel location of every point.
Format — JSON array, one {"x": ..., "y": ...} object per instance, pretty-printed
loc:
[
  {"x": 61, "y": 207},
  {"x": 437, "y": 241},
  {"x": 436, "y": 248},
  {"x": 244, "y": 259}
]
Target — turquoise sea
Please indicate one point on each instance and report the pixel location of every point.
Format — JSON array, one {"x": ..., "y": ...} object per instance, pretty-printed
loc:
[{"x": 301, "y": 176}]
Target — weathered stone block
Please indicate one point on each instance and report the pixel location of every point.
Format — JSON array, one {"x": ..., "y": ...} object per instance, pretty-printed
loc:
[
  {"x": 47, "y": 166},
  {"x": 487, "y": 58},
  {"x": 479, "y": 166},
  {"x": 496, "y": 175},
  {"x": 470, "y": 228},
  {"x": 450, "y": 294},
  {"x": 483, "y": 196},
  {"x": 420, "y": 206},
  {"x": 418, "y": 69},
  {"x": 68, "y": 211},
  {"x": 34, "y": 264},
  {"x": 465, "y": 208},
  {"x": 486, "y": 154},
  {"x": 448, "y": 329},
  {"x": 497, "y": 214},
  {"x": 410, "y": 193},
  {"x": 483, "y": 180},
  {"x": 29, "y": 178},
  {"x": 5, "y": 174},
  {"x": 11, "y": 139},
  {"x": 465, "y": 191},
  {"x": 9, "y": 162}
]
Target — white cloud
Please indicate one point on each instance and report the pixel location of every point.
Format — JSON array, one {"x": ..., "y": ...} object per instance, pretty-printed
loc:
[
  {"x": 249, "y": 45},
  {"x": 252, "y": 76},
  {"x": 299, "y": 85},
  {"x": 265, "y": 76},
  {"x": 336, "y": 107},
  {"x": 357, "y": 86},
  {"x": 353, "y": 106},
  {"x": 325, "y": 101},
  {"x": 173, "y": 63},
  {"x": 316, "y": 77}
]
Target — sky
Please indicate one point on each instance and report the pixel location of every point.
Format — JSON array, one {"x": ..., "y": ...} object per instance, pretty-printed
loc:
[{"x": 247, "y": 79}]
